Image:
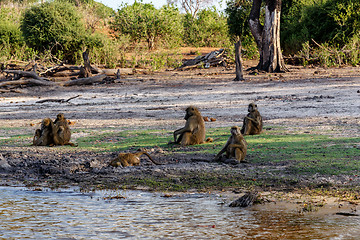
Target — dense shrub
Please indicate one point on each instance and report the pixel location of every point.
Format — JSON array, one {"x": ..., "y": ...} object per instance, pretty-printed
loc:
[
  {"x": 143, "y": 22},
  {"x": 325, "y": 21},
  {"x": 10, "y": 33},
  {"x": 57, "y": 27},
  {"x": 208, "y": 29}
]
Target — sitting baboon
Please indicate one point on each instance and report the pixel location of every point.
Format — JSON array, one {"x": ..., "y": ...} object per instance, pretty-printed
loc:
[
  {"x": 61, "y": 131},
  {"x": 129, "y": 159},
  {"x": 194, "y": 130},
  {"x": 253, "y": 122},
  {"x": 235, "y": 147},
  {"x": 44, "y": 135}
]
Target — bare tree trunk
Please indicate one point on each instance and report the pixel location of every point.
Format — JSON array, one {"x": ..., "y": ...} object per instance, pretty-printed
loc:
[
  {"x": 85, "y": 71},
  {"x": 267, "y": 37},
  {"x": 239, "y": 69}
]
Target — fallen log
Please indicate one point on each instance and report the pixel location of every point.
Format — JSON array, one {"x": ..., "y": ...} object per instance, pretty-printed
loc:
[
  {"x": 211, "y": 59},
  {"x": 246, "y": 200},
  {"x": 84, "y": 81},
  {"x": 35, "y": 82},
  {"x": 19, "y": 74},
  {"x": 10, "y": 90},
  {"x": 114, "y": 72}
]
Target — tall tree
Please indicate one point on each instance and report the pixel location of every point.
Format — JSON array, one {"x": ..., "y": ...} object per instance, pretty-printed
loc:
[
  {"x": 267, "y": 36},
  {"x": 191, "y": 7}
]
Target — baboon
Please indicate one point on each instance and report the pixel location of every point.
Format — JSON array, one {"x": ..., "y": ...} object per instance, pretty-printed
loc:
[
  {"x": 194, "y": 130},
  {"x": 129, "y": 159},
  {"x": 235, "y": 147},
  {"x": 61, "y": 131},
  {"x": 253, "y": 122},
  {"x": 44, "y": 135}
]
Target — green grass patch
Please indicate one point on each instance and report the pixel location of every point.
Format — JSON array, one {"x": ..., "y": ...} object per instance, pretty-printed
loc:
[{"x": 297, "y": 152}]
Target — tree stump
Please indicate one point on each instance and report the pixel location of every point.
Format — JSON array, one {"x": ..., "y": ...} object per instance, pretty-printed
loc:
[
  {"x": 239, "y": 69},
  {"x": 85, "y": 71}
]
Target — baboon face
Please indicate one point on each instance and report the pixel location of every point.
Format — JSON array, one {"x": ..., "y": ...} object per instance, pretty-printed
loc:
[
  {"x": 252, "y": 107},
  {"x": 60, "y": 116},
  {"x": 235, "y": 130},
  {"x": 190, "y": 111},
  {"x": 45, "y": 123}
]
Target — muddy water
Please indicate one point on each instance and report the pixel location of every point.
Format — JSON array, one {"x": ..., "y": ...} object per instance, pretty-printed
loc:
[{"x": 69, "y": 214}]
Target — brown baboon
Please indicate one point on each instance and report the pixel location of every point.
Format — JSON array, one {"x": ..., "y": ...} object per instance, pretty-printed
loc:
[
  {"x": 253, "y": 122},
  {"x": 235, "y": 147},
  {"x": 44, "y": 135},
  {"x": 129, "y": 159},
  {"x": 194, "y": 130},
  {"x": 61, "y": 131}
]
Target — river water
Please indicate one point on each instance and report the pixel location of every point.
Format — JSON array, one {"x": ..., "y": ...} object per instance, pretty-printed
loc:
[{"x": 70, "y": 214}]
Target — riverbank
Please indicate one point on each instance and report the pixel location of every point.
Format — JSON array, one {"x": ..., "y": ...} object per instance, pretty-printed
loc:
[{"x": 320, "y": 107}]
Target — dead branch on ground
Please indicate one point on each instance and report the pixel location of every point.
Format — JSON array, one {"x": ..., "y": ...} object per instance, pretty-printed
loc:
[
  {"x": 57, "y": 100},
  {"x": 35, "y": 82}
]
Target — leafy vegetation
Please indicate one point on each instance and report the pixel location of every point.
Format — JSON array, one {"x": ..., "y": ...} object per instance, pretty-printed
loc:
[
  {"x": 143, "y": 22},
  {"x": 208, "y": 29},
  {"x": 141, "y": 35},
  {"x": 334, "y": 41}
]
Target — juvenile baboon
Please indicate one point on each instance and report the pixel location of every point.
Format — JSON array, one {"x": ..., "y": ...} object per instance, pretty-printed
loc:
[
  {"x": 235, "y": 147},
  {"x": 253, "y": 122},
  {"x": 129, "y": 159},
  {"x": 61, "y": 131},
  {"x": 194, "y": 130},
  {"x": 44, "y": 135}
]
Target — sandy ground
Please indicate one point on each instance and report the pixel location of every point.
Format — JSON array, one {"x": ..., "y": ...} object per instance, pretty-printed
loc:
[{"x": 304, "y": 97}]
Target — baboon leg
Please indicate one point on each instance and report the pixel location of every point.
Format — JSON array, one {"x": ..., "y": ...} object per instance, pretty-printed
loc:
[
  {"x": 186, "y": 139},
  {"x": 238, "y": 154}
]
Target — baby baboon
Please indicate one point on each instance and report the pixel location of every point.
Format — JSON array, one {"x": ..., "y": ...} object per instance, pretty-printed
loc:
[
  {"x": 253, "y": 122},
  {"x": 235, "y": 147},
  {"x": 61, "y": 131},
  {"x": 44, "y": 135},
  {"x": 129, "y": 159},
  {"x": 194, "y": 130}
]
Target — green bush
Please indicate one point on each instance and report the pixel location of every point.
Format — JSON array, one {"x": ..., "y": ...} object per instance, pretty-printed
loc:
[
  {"x": 143, "y": 22},
  {"x": 10, "y": 33},
  {"x": 334, "y": 22},
  {"x": 208, "y": 29},
  {"x": 56, "y": 26}
]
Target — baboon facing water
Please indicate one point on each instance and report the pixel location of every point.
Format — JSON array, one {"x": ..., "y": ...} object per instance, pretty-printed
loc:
[
  {"x": 53, "y": 133},
  {"x": 44, "y": 135},
  {"x": 61, "y": 131},
  {"x": 253, "y": 123},
  {"x": 235, "y": 147},
  {"x": 194, "y": 130}
]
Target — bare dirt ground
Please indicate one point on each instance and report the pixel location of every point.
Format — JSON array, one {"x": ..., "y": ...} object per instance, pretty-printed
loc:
[{"x": 304, "y": 97}]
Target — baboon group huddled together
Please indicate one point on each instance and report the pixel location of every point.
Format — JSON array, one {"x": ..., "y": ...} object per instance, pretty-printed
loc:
[
  {"x": 58, "y": 133},
  {"x": 53, "y": 132}
]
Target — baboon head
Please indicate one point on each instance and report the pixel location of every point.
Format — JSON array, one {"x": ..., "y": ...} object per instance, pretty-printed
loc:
[
  {"x": 45, "y": 123},
  {"x": 190, "y": 111},
  {"x": 252, "y": 107},
  {"x": 60, "y": 116},
  {"x": 235, "y": 130}
]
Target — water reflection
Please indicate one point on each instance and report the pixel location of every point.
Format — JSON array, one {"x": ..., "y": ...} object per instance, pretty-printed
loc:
[{"x": 68, "y": 214}]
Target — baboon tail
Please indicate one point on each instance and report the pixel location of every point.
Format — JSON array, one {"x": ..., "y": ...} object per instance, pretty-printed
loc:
[{"x": 151, "y": 158}]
